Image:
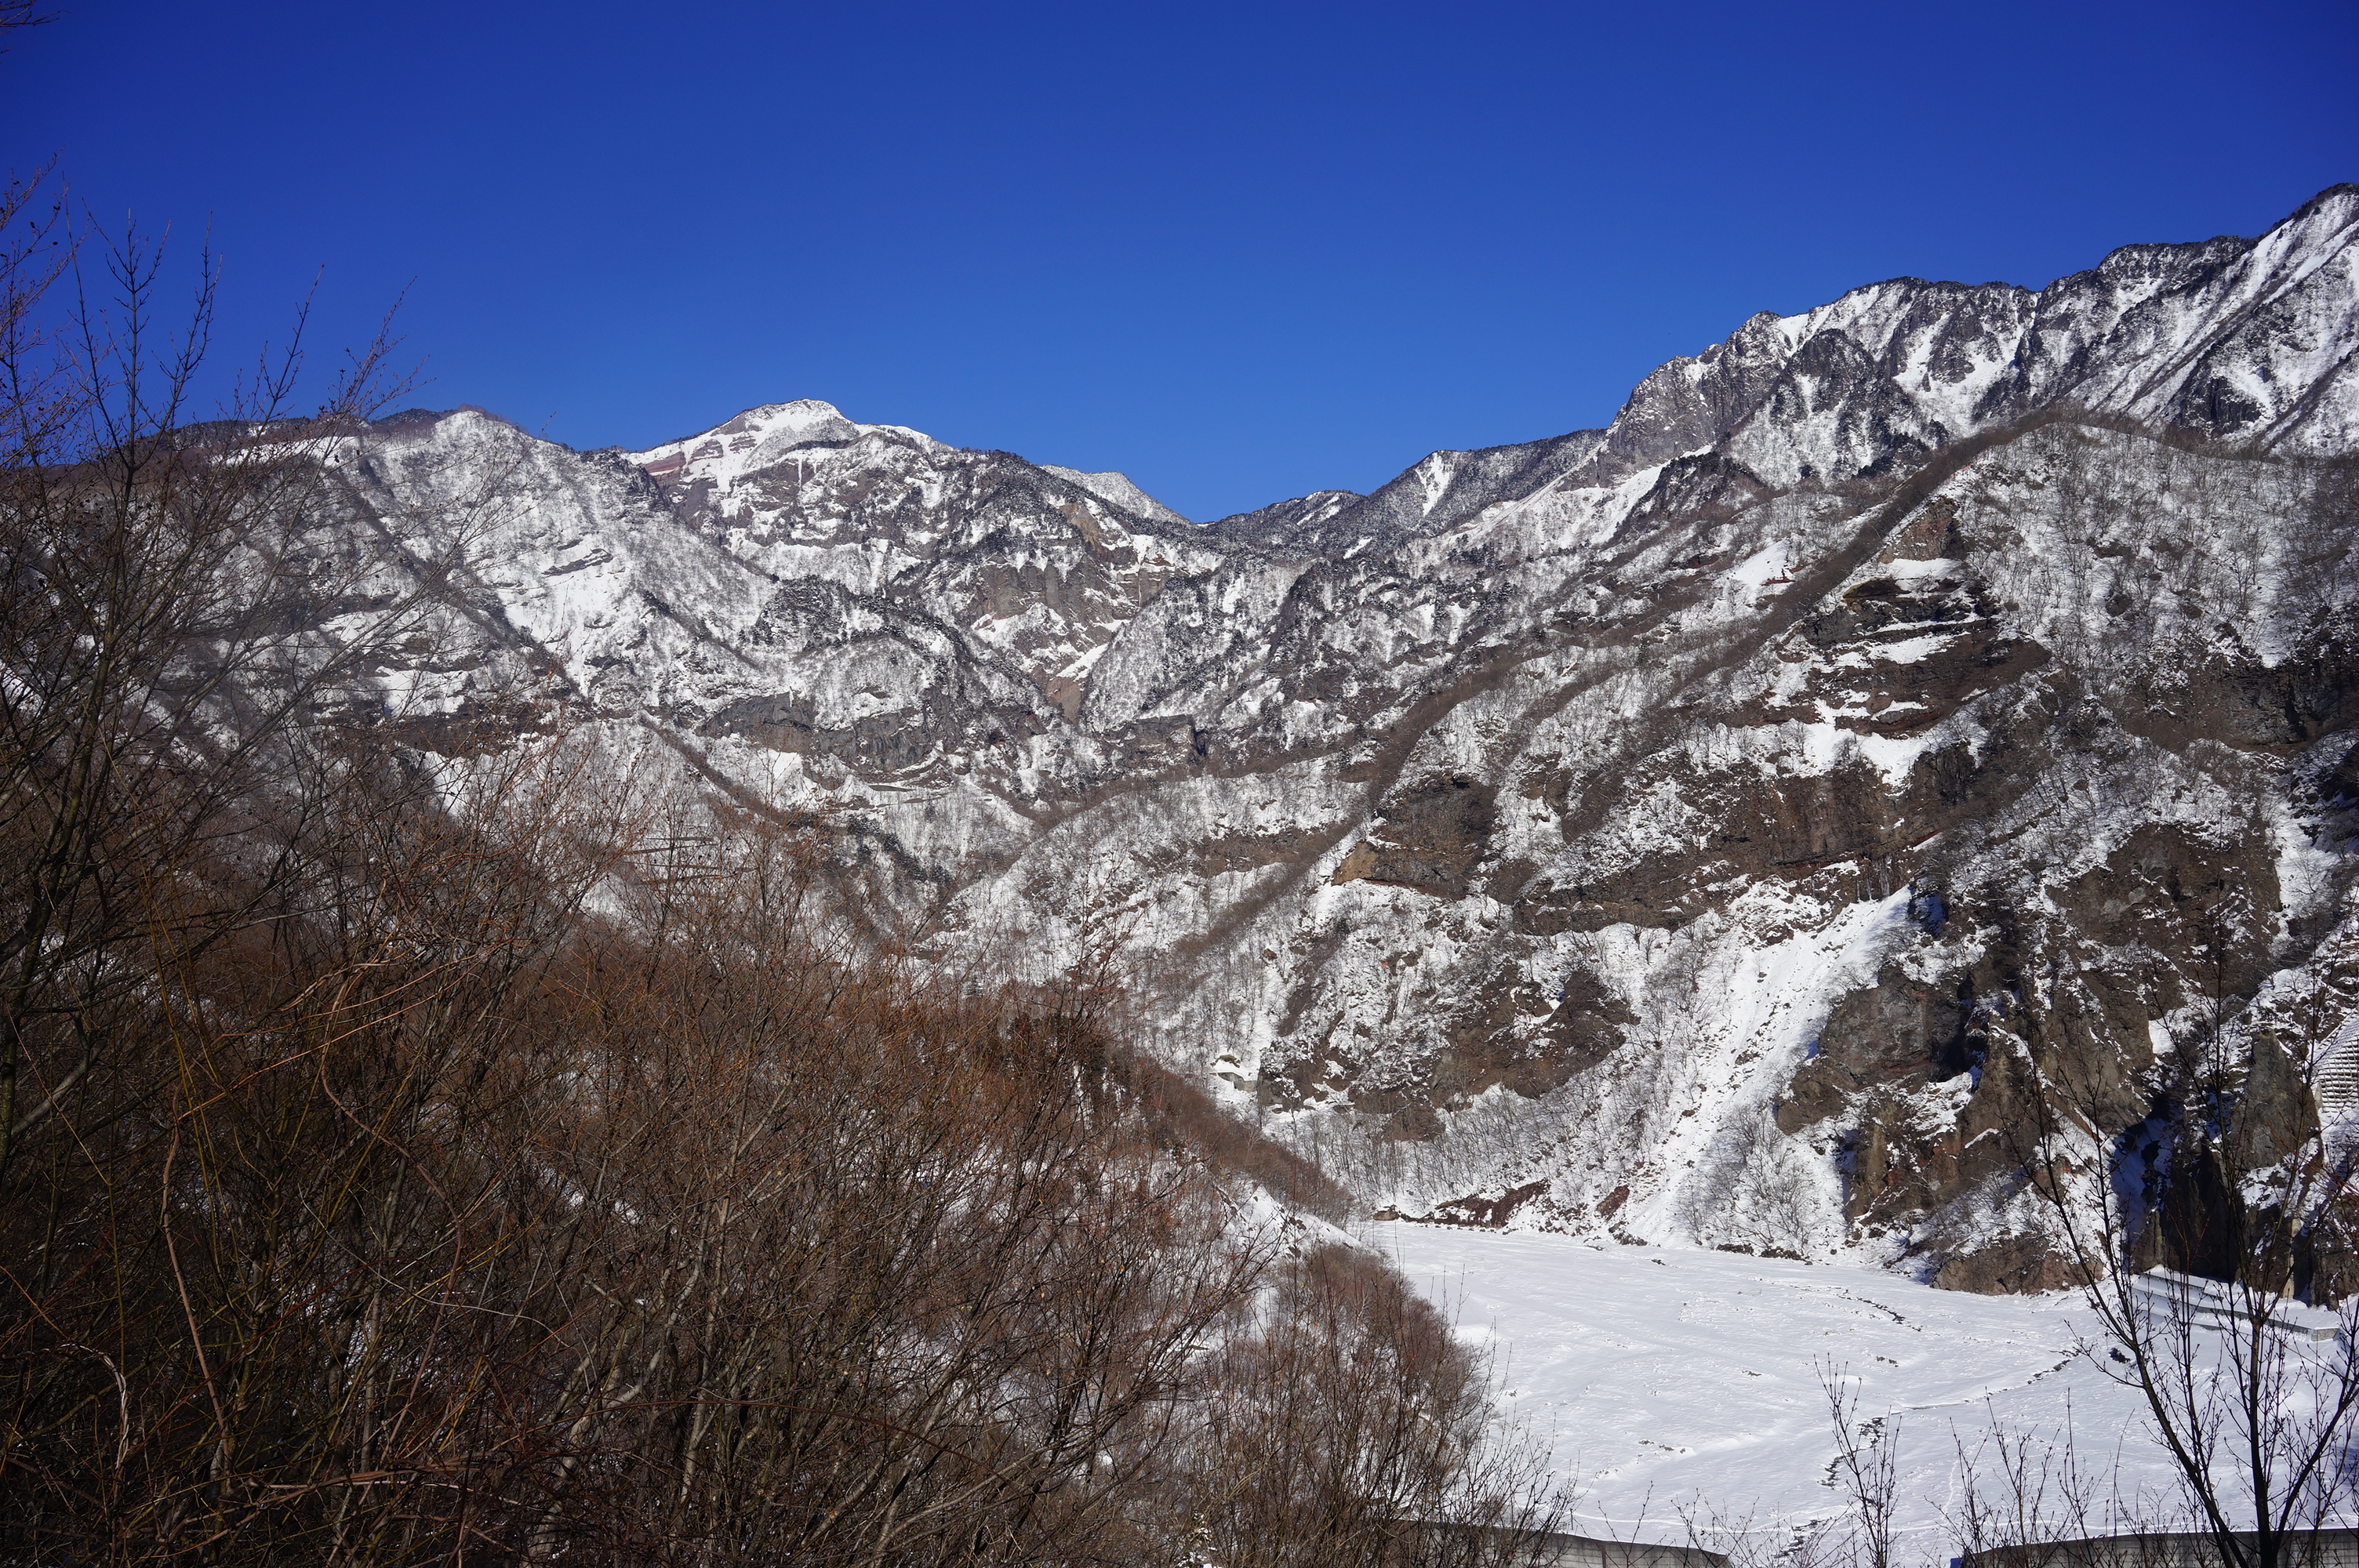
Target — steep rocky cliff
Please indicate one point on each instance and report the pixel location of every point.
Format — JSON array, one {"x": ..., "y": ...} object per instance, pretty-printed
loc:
[{"x": 1692, "y": 830}]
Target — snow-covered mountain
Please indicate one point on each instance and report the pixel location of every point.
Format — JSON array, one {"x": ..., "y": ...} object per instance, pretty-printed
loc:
[{"x": 1685, "y": 829}]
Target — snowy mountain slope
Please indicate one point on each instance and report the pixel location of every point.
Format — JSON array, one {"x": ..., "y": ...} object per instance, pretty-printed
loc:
[
  {"x": 1289, "y": 525},
  {"x": 1117, "y": 488},
  {"x": 1028, "y": 569},
  {"x": 1678, "y": 828}
]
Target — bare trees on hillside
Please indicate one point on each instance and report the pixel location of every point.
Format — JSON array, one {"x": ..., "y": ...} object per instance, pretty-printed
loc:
[
  {"x": 173, "y": 597},
  {"x": 450, "y": 1214},
  {"x": 530, "y": 1188}
]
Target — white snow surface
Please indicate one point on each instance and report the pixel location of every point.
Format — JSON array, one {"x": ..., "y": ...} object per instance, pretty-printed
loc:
[
  {"x": 1118, "y": 489},
  {"x": 1676, "y": 1385}
]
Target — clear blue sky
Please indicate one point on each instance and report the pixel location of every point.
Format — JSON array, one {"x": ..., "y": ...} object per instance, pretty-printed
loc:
[{"x": 1238, "y": 252}]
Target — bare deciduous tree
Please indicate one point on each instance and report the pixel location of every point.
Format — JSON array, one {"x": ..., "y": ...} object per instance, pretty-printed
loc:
[{"x": 2256, "y": 1414}]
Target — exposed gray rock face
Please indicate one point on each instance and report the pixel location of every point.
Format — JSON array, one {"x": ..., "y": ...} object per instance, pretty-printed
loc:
[{"x": 1694, "y": 828}]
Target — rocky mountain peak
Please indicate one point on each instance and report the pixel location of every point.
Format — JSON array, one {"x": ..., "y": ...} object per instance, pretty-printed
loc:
[{"x": 749, "y": 443}]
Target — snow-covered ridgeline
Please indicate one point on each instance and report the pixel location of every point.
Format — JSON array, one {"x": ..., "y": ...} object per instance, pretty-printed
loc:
[{"x": 1541, "y": 817}]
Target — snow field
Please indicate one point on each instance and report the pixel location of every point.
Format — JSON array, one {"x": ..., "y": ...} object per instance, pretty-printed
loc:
[{"x": 1676, "y": 1386}]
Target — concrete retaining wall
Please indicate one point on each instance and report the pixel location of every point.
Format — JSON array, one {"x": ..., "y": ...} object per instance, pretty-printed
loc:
[{"x": 2319, "y": 1548}]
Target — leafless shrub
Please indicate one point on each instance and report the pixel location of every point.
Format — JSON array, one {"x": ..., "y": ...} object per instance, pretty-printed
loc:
[
  {"x": 2020, "y": 1487},
  {"x": 1866, "y": 1456},
  {"x": 1345, "y": 1424},
  {"x": 1758, "y": 1190}
]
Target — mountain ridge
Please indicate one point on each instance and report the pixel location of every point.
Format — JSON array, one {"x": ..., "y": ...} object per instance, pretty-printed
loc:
[{"x": 1420, "y": 808}]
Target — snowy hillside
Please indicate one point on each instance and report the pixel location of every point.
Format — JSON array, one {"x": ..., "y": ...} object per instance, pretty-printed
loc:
[{"x": 1685, "y": 830}]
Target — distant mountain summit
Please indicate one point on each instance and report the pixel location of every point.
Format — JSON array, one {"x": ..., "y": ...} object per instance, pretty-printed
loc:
[{"x": 1691, "y": 830}]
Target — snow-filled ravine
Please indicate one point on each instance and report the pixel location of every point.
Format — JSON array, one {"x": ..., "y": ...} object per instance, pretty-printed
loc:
[{"x": 1681, "y": 1384}]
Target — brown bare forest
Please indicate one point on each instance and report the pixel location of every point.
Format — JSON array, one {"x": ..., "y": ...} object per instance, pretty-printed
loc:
[{"x": 413, "y": 1155}]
